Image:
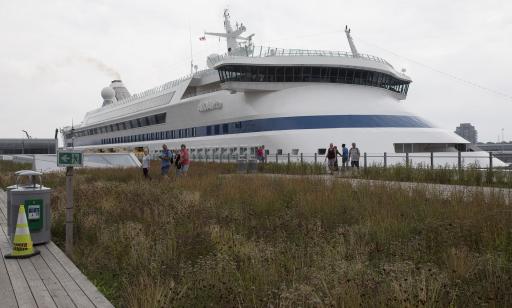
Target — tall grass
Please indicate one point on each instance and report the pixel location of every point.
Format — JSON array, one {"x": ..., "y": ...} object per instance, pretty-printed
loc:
[
  {"x": 231, "y": 240},
  {"x": 443, "y": 175},
  {"x": 11, "y": 166}
]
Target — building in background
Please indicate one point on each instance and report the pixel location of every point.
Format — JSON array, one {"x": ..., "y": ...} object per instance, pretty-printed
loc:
[
  {"x": 468, "y": 132},
  {"x": 27, "y": 146}
]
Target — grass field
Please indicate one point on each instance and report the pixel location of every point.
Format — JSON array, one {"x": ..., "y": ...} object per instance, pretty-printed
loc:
[
  {"x": 233, "y": 240},
  {"x": 444, "y": 175}
]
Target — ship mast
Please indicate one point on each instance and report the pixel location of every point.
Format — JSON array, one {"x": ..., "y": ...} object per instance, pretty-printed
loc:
[
  {"x": 351, "y": 42},
  {"x": 232, "y": 36}
]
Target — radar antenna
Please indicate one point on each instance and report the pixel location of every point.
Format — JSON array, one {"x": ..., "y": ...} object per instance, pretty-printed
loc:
[
  {"x": 232, "y": 36},
  {"x": 351, "y": 42}
]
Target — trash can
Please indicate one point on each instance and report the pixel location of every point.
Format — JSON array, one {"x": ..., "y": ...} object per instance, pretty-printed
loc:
[{"x": 36, "y": 199}]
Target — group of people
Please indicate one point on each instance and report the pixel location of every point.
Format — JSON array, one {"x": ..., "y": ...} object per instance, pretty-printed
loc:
[
  {"x": 346, "y": 155},
  {"x": 179, "y": 158}
]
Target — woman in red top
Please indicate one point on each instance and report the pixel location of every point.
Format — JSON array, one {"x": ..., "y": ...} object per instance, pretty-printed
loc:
[{"x": 184, "y": 161}]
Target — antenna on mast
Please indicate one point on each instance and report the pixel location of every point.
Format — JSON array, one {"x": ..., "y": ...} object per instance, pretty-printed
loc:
[
  {"x": 232, "y": 36},
  {"x": 351, "y": 42},
  {"x": 190, "y": 39}
]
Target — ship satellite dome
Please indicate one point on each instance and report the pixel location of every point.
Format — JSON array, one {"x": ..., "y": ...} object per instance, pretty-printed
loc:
[
  {"x": 108, "y": 93},
  {"x": 211, "y": 60}
]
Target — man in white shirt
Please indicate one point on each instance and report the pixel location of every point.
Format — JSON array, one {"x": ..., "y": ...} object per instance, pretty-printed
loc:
[
  {"x": 354, "y": 155},
  {"x": 145, "y": 164}
]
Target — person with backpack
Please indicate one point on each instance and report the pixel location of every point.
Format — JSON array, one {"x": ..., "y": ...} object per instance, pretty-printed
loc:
[
  {"x": 331, "y": 158},
  {"x": 354, "y": 154}
]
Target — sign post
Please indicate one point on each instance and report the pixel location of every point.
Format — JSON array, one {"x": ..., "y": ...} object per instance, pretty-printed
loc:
[{"x": 69, "y": 159}]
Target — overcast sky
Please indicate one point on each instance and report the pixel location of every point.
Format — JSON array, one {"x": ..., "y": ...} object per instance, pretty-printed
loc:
[{"x": 56, "y": 56}]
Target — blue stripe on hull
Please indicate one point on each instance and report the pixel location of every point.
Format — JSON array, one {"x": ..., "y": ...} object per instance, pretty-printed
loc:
[
  {"x": 330, "y": 121},
  {"x": 275, "y": 124}
]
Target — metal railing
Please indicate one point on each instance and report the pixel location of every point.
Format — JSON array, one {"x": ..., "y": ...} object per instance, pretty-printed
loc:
[
  {"x": 264, "y": 51},
  {"x": 432, "y": 160},
  {"x": 158, "y": 90}
]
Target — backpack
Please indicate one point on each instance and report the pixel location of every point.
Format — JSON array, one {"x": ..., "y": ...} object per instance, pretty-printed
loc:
[
  {"x": 177, "y": 162},
  {"x": 331, "y": 153}
]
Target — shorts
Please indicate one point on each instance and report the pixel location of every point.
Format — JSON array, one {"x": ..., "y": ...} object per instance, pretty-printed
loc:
[
  {"x": 146, "y": 172},
  {"x": 344, "y": 160},
  {"x": 165, "y": 170},
  {"x": 354, "y": 163},
  {"x": 182, "y": 170},
  {"x": 331, "y": 163}
]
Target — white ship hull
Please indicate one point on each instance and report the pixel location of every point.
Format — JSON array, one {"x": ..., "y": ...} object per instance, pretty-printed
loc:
[{"x": 289, "y": 101}]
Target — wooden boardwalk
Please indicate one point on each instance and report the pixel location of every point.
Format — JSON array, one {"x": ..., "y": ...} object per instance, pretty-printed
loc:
[{"x": 47, "y": 280}]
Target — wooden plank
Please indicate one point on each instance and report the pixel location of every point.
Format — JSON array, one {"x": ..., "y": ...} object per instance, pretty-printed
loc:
[
  {"x": 3, "y": 206},
  {"x": 59, "y": 295},
  {"x": 37, "y": 287},
  {"x": 72, "y": 288},
  {"x": 6, "y": 292},
  {"x": 89, "y": 289},
  {"x": 3, "y": 220},
  {"x": 51, "y": 275},
  {"x": 18, "y": 282},
  {"x": 3, "y": 196}
]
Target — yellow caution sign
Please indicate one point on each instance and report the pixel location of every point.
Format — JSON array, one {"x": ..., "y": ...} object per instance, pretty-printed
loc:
[{"x": 22, "y": 246}]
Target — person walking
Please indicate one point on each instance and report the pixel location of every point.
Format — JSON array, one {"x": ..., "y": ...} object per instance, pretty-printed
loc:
[
  {"x": 184, "y": 161},
  {"x": 336, "y": 166},
  {"x": 166, "y": 161},
  {"x": 331, "y": 157},
  {"x": 344, "y": 157},
  {"x": 260, "y": 153},
  {"x": 354, "y": 155},
  {"x": 146, "y": 164}
]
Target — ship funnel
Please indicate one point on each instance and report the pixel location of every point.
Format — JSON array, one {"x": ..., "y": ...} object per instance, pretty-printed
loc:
[{"x": 120, "y": 90}]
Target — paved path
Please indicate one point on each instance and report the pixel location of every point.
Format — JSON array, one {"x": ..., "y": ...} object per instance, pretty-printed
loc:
[
  {"x": 440, "y": 189},
  {"x": 47, "y": 280}
]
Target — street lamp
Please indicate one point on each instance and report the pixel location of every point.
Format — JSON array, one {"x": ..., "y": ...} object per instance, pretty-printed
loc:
[{"x": 26, "y": 133}]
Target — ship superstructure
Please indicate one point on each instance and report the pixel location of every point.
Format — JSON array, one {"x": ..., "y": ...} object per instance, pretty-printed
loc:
[{"x": 289, "y": 100}]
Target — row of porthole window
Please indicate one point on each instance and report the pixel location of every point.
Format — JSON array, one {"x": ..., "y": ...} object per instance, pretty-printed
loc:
[
  {"x": 170, "y": 134},
  {"x": 134, "y": 123},
  {"x": 217, "y": 129}
]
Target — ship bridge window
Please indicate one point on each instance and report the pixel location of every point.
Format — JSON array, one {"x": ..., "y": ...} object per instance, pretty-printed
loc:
[{"x": 246, "y": 73}]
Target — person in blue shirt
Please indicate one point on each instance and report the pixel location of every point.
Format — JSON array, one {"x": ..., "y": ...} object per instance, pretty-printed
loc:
[
  {"x": 166, "y": 158},
  {"x": 344, "y": 157}
]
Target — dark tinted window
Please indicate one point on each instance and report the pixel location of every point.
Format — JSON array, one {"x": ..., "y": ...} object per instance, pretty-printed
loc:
[{"x": 312, "y": 74}]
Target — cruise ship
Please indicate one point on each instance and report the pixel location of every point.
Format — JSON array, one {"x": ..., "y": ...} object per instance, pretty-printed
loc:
[{"x": 288, "y": 100}]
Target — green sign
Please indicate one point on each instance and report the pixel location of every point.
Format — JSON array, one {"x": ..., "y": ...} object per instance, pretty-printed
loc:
[
  {"x": 34, "y": 212},
  {"x": 69, "y": 159}
]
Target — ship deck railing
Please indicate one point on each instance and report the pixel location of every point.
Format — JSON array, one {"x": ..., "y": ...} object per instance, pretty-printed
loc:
[
  {"x": 264, "y": 51},
  {"x": 432, "y": 160},
  {"x": 154, "y": 91}
]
